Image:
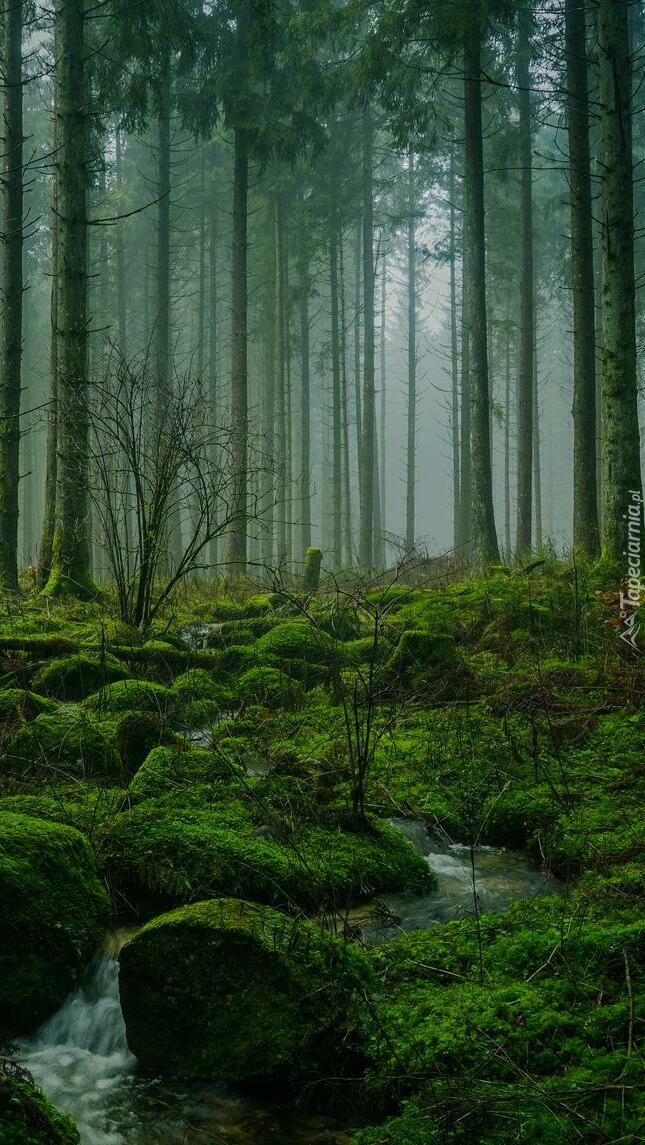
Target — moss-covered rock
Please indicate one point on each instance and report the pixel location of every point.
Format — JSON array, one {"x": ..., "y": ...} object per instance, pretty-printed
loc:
[
  {"x": 270, "y": 688},
  {"x": 75, "y": 677},
  {"x": 17, "y": 704},
  {"x": 424, "y": 658},
  {"x": 66, "y": 742},
  {"x": 171, "y": 768},
  {"x": 232, "y": 991},
  {"x": 301, "y": 650},
  {"x": 54, "y": 911},
  {"x": 137, "y": 733},
  {"x": 26, "y": 1116},
  {"x": 132, "y": 695}
]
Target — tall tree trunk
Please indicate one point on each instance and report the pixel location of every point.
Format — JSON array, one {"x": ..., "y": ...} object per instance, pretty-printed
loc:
[
  {"x": 465, "y": 454},
  {"x": 162, "y": 317},
  {"x": 336, "y": 505},
  {"x": 51, "y": 458},
  {"x": 280, "y": 411},
  {"x": 358, "y": 401},
  {"x": 523, "y": 539},
  {"x": 366, "y": 543},
  {"x": 537, "y": 470},
  {"x": 507, "y": 444},
  {"x": 383, "y": 414},
  {"x": 483, "y": 535},
  {"x": 411, "y": 453},
  {"x": 288, "y": 428},
  {"x": 305, "y": 409},
  {"x": 239, "y": 353},
  {"x": 70, "y": 563},
  {"x": 454, "y": 358},
  {"x": 345, "y": 467},
  {"x": 619, "y": 384},
  {"x": 11, "y": 292},
  {"x": 121, "y": 286},
  {"x": 213, "y": 350},
  {"x": 585, "y": 493},
  {"x": 201, "y": 275}
]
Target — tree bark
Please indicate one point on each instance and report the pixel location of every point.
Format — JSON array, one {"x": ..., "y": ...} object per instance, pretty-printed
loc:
[
  {"x": 279, "y": 385},
  {"x": 239, "y": 353},
  {"x": 523, "y": 538},
  {"x": 623, "y": 485},
  {"x": 213, "y": 346},
  {"x": 336, "y": 500},
  {"x": 483, "y": 535},
  {"x": 585, "y": 492},
  {"x": 305, "y": 410},
  {"x": 11, "y": 291},
  {"x": 366, "y": 542},
  {"x": 70, "y": 563},
  {"x": 411, "y": 453},
  {"x": 454, "y": 358}
]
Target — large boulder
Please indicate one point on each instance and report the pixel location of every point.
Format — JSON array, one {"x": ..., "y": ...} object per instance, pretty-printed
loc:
[
  {"x": 232, "y": 991},
  {"x": 132, "y": 696},
  {"x": 54, "y": 910},
  {"x": 75, "y": 677},
  {"x": 67, "y": 742}
]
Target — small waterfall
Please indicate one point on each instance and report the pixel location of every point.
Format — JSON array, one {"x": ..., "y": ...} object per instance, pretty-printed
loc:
[{"x": 80, "y": 1057}]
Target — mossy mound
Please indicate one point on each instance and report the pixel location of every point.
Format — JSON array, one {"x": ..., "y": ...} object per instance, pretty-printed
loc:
[
  {"x": 26, "y": 1116},
  {"x": 270, "y": 688},
  {"x": 198, "y": 684},
  {"x": 170, "y": 768},
  {"x": 67, "y": 742},
  {"x": 17, "y": 704},
  {"x": 132, "y": 695},
  {"x": 296, "y": 647},
  {"x": 422, "y": 659},
  {"x": 54, "y": 911},
  {"x": 76, "y": 677},
  {"x": 232, "y": 991},
  {"x": 165, "y": 852},
  {"x": 137, "y": 733}
]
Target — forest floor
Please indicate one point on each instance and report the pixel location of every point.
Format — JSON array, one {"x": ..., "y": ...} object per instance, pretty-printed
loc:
[{"x": 256, "y": 746}]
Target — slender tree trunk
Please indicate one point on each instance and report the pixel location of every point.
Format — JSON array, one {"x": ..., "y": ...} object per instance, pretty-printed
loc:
[
  {"x": 366, "y": 543},
  {"x": 213, "y": 350},
  {"x": 465, "y": 485},
  {"x": 537, "y": 471},
  {"x": 288, "y": 467},
  {"x": 358, "y": 401},
  {"x": 121, "y": 285},
  {"x": 239, "y": 352},
  {"x": 336, "y": 505},
  {"x": 411, "y": 453},
  {"x": 346, "y": 491},
  {"x": 383, "y": 414},
  {"x": 70, "y": 563},
  {"x": 523, "y": 539},
  {"x": 51, "y": 460},
  {"x": 507, "y": 444},
  {"x": 280, "y": 412},
  {"x": 269, "y": 408},
  {"x": 585, "y": 492},
  {"x": 619, "y": 383},
  {"x": 11, "y": 292},
  {"x": 454, "y": 358},
  {"x": 201, "y": 275},
  {"x": 305, "y": 409},
  {"x": 484, "y": 536},
  {"x": 162, "y": 318}
]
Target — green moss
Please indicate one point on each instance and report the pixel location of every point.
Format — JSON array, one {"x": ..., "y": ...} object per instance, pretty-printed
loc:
[
  {"x": 16, "y": 705},
  {"x": 132, "y": 695},
  {"x": 235, "y": 992},
  {"x": 269, "y": 687},
  {"x": 54, "y": 912},
  {"x": 67, "y": 742},
  {"x": 169, "y": 768},
  {"x": 26, "y": 1116},
  {"x": 311, "y": 570},
  {"x": 136, "y": 734},
  {"x": 422, "y": 658},
  {"x": 78, "y": 676}
]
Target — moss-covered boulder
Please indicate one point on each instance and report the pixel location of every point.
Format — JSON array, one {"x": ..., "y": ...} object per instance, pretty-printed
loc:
[
  {"x": 137, "y": 734},
  {"x": 170, "y": 768},
  {"x": 300, "y": 649},
  {"x": 270, "y": 688},
  {"x": 424, "y": 658},
  {"x": 54, "y": 911},
  {"x": 17, "y": 704},
  {"x": 26, "y": 1116},
  {"x": 132, "y": 695},
  {"x": 75, "y": 677},
  {"x": 67, "y": 742},
  {"x": 233, "y": 991}
]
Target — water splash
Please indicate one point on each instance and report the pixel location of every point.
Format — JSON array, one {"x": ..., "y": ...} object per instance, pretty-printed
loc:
[{"x": 80, "y": 1056}]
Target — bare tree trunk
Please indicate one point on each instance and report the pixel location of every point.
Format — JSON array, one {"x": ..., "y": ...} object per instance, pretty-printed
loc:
[
  {"x": 11, "y": 291},
  {"x": 336, "y": 505},
  {"x": 213, "y": 347},
  {"x": 369, "y": 420},
  {"x": 619, "y": 382},
  {"x": 51, "y": 460},
  {"x": 483, "y": 536},
  {"x": 239, "y": 352},
  {"x": 70, "y": 564},
  {"x": 358, "y": 401},
  {"x": 346, "y": 490},
  {"x": 280, "y": 412},
  {"x": 454, "y": 359},
  {"x": 121, "y": 286},
  {"x": 465, "y": 484},
  {"x": 305, "y": 410},
  {"x": 383, "y": 403},
  {"x": 523, "y": 539},
  {"x": 585, "y": 492},
  {"x": 411, "y": 453},
  {"x": 507, "y": 444},
  {"x": 537, "y": 471}
]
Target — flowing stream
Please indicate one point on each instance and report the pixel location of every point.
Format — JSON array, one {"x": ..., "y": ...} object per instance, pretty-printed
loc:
[{"x": 81, "y": 1060}]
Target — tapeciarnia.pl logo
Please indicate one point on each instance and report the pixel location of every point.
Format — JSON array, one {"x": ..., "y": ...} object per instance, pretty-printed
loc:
[{"x": 630, "y": 601}]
